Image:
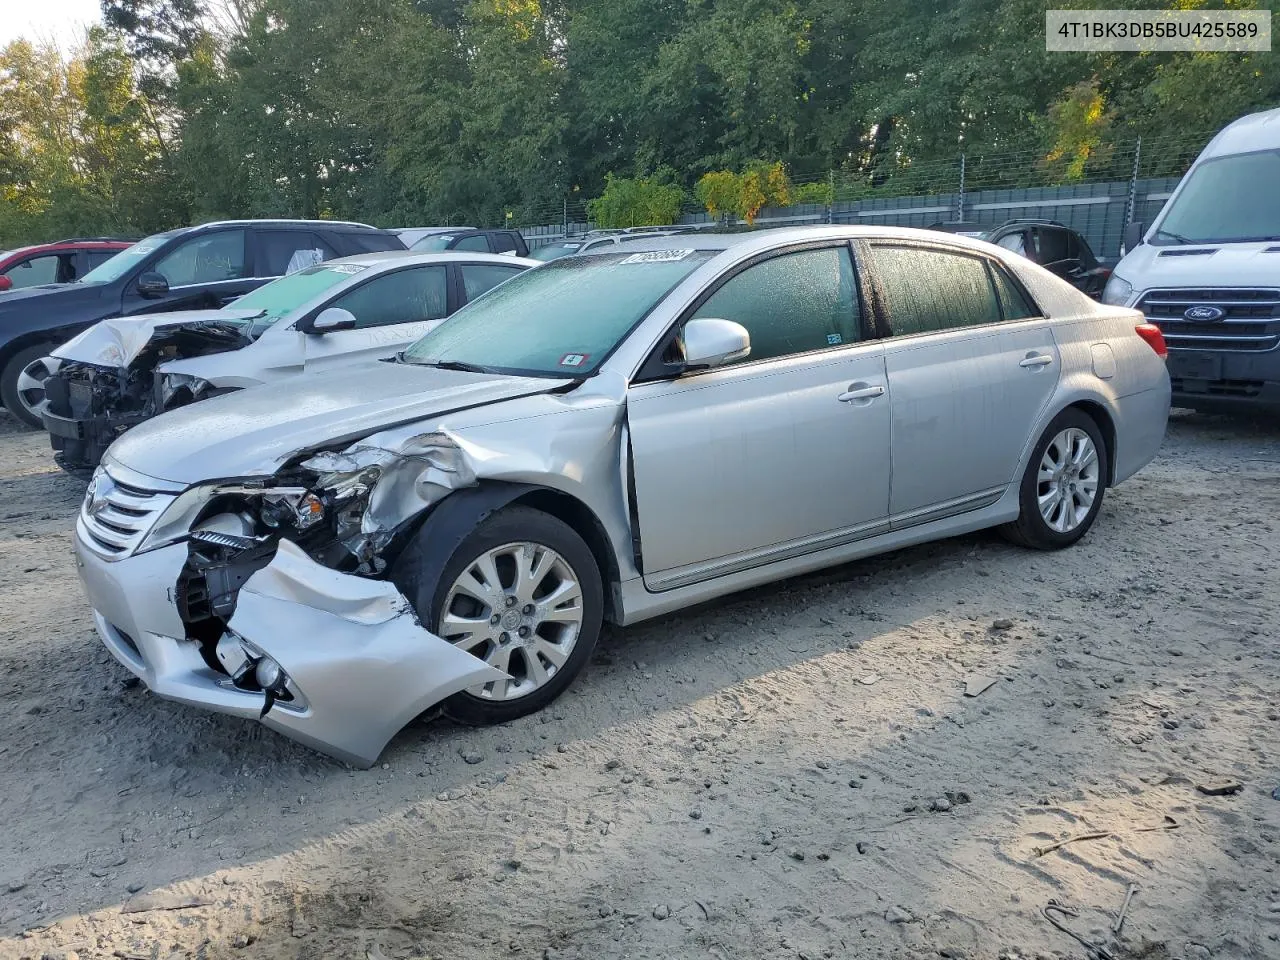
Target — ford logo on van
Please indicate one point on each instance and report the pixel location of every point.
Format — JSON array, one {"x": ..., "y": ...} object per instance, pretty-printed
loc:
[{"x": 1204, "y": 312}]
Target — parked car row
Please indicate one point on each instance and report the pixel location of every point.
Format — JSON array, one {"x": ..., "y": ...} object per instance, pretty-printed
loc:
[
  {"x": 375, "y": 512},
  {"x": 1053, "y": 245}
]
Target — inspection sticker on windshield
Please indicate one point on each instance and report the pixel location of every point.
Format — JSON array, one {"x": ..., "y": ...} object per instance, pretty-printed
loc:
[
  {"x": 574, "y": 359},
  {"x": 657, "y": 256}
]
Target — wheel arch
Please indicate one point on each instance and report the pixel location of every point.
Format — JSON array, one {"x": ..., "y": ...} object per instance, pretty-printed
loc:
[
  {"x": 453, "y": 518},
  {"x": 1100, "y": 415}
]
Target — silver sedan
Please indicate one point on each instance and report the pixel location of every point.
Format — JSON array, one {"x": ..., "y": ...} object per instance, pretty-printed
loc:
[{"x": 604, "y": 438}]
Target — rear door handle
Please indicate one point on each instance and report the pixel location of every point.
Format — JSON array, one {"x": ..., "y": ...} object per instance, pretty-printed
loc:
[
  {"x": 861, "y": 391},
  {"x": 1036, "y": 360}
]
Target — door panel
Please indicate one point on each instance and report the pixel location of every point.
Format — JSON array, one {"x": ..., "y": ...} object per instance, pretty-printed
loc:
[
  {"x": 746, "y": 464},
  {"x": 962, "y": 408}
]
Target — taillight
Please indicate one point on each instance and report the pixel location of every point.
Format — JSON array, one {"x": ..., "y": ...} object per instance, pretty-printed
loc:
[{"x": 1155, "y": 339}]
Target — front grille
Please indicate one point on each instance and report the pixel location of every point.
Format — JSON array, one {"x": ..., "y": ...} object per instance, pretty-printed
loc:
[
  {"x": 116, "y": 516},
  {"x": 1250, "y": 321}
]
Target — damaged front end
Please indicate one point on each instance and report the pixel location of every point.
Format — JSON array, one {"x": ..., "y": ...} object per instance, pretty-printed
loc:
[
  {"x": 90, "y": 404},
  {"x": 282, "y": 594}
]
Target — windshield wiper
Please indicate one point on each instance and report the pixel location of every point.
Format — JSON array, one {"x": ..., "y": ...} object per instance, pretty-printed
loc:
[
  {"x": 457, "y": 365},
  {"x": 1176, "y": 236}
]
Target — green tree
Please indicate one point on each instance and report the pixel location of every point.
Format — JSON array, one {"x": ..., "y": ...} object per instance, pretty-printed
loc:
[{"x": 639, "y": 202}]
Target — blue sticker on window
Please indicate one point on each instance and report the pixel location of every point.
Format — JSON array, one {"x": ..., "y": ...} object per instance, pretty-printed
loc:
[{"x": 834, "y": 338}]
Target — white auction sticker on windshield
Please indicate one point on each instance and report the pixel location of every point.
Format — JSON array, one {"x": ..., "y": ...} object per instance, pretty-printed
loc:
[
  {"x": 657, "y": 256},
  {"x": 574, "y": 359}
]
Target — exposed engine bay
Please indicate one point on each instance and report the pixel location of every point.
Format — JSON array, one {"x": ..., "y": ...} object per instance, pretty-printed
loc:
[
  {"x": 348, "y": 511},
  {"x": 90, "y": 404}
]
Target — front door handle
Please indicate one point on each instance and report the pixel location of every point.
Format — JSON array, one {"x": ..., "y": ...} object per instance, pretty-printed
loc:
[
  {"x": 861, "y": 391},
  {"x": 1035, "y": 360}
]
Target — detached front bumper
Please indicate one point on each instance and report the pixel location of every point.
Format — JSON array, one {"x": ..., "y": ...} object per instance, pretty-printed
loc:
[{"x": 352, "y": 648}]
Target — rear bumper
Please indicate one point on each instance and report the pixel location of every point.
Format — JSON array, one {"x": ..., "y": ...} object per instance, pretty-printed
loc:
[{"x": 1141, "y": 421}]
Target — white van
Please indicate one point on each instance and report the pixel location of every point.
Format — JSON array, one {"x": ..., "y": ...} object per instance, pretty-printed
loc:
[{"x": 1207, "y": 271}]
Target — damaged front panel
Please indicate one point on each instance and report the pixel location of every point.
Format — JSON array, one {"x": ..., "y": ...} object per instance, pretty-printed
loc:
[
  {"x": 92, "y": 402},
  {"x": 349, "y": 654}
]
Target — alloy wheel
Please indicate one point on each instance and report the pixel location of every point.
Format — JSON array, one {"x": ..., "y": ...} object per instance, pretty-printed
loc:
[
  {"x": 1067, "y": 481},
  {"x": 519, "y": 608}
]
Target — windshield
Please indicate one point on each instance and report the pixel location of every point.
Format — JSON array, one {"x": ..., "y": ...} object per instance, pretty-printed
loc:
[
  {"x": 554, "y": 251},
  {"x": 437, "y": 241},
  {"x": 126, "y": 260},
  {"x": 562, "y": 319},
  {"x": 1229, "y": 199},
  {"x": 273, "y": 300}
]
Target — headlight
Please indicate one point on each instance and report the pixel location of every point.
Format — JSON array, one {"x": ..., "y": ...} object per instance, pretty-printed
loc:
[
  {"x": 1117, "y": 291},
  {"x": 298, "y": 504}
]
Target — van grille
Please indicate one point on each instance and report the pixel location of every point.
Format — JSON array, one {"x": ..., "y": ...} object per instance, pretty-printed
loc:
[
  {"x": 116, "y": 516},
  {"x": 1250, "y": 320}
]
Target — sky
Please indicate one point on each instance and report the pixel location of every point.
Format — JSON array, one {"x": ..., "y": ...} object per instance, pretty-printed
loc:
[{"x": 63, "y": 21}]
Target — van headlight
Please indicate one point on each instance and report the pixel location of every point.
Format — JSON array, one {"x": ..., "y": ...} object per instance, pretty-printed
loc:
[{"x": 1117, "y": 291}]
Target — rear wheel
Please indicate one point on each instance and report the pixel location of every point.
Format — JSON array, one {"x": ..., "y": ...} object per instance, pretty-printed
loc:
[
  {"x": 1062, "y": 489},
  {"x": 523, "y": 593},
  {"x": 22, "y": 383}
]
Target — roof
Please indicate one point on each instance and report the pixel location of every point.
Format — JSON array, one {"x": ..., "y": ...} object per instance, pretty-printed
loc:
[
  {"x": 768, "y": 239},
  {"x": 1257, "y": 131},
  {"x": 269, "y": 221},
  {"x": 408, "y": 257}
]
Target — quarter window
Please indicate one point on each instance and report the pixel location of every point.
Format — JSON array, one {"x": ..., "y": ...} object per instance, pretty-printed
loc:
[
  {"x": 1012, "y": 302},
  {"x": 403, "y": 297},
  {"x": 208, "y": 258},
  {"x": 477, "y": 278},
  {"x": 792, "y": 304},
  {"x": 929, "y": 290}
]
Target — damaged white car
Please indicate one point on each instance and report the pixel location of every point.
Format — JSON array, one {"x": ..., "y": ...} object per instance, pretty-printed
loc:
[
  {"x": 121, "y": 372},
  {"x": 604, "y": 438}
]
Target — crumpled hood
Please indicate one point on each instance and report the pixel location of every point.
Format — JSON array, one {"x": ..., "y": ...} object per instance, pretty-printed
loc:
[
  {"x": 1229, "y": 265},
  {"x": 252, "y": 432},
  {"x": 116, "y": 342}
]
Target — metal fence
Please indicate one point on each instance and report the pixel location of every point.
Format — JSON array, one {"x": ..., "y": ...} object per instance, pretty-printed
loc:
[{"x": 1096, "y": 195}]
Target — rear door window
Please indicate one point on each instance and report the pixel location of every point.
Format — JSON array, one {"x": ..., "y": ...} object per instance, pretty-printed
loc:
[
  {"x": 927, "y": 290},
  {"x": 1017, "y": 242},
  {"x": 793, "y": 303},
  {"x": 503, "y": 243},
  {"x": 1053, "y": 245},
  {"x": 478, "y": 242},
  {"x": 281, "y": 252},
  {"x": 99, "y": 257},
  {"x": 477, "y": 278}
]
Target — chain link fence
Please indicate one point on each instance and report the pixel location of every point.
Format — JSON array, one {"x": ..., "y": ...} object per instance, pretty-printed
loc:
[{"x": 1097, "y": 194}]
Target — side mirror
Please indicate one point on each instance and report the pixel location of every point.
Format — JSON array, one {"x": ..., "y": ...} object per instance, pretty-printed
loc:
[
  {"x": 710, "y": 342},
  {"x": 331, "y": 318},
  {"x": 5, "y": 284},
  {"x": 1132, "y": 238},
  {"x": 152, "y": 285}
]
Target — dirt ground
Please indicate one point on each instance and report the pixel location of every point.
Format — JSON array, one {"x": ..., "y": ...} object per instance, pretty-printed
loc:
[{"x": 792, "y": 773}]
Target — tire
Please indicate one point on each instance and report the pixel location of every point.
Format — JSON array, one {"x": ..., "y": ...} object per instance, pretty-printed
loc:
[
  {"x": 1067, "y": 520},
  {"x": 9, "y": 394},
  {"x": 433, "y": 578}
]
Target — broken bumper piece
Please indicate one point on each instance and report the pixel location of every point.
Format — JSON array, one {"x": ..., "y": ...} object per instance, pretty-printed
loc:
[{"x": 355, "y": 660}]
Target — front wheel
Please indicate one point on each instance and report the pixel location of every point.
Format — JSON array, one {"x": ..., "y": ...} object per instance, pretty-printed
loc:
[
  {"x": 22, "y": 383},
  {"x": 1062, "y": 488},
  {"x": 522, "y": 592}
]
